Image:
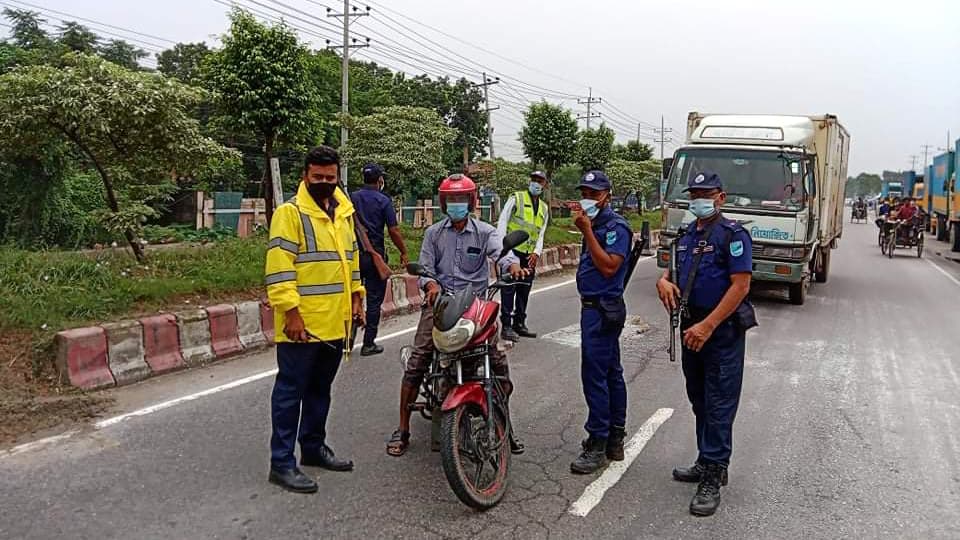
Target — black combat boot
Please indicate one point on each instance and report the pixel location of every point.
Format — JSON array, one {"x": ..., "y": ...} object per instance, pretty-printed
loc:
[
  {"x": 707, "y": 499},
  {"x": 592, "y": 458},
  {"x": 694, "y": 473},
  {"x": 615, "y": 443}
]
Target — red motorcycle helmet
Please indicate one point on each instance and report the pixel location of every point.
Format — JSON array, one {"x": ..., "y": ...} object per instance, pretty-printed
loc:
[{"x": 458, "y": 184}]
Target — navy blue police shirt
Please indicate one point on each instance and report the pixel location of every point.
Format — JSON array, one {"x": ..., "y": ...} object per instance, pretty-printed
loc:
[
  {"x": 376, "y": 211},
  {"x": 728, "y": 251},
  {"x": 615, "y": 237}
]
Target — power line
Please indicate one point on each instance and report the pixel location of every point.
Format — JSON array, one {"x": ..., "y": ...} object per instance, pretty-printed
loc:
[{"x": 76, "y": 18}]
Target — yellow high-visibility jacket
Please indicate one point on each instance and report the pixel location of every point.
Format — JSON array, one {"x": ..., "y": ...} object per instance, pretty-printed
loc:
[{"x": 313, "y": 263}]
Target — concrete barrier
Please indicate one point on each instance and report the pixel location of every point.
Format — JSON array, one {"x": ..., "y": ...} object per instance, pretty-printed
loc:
[
  {"x": 224, "y": 334},
  {"x": 82, "y": 355},
  {"x": 161, "y": 343},
  {"x": 125, "y": 352},
  {"x": 414, "y": 294},
  {"x": 267, "y": 322},
  {"x": 389, "y": 307},
  {"x": 398, "y": 287},
  {"x": 249, "y": 325},
  {"x": 195, "y": 337}
]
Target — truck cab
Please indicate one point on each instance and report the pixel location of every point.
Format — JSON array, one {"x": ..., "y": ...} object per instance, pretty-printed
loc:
[{"x": 784, "y": 178}]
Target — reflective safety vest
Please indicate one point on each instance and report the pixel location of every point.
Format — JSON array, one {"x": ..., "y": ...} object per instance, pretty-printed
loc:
[
  {"x": 523, "y": 219},
  {"x": 313, "y": 264}
]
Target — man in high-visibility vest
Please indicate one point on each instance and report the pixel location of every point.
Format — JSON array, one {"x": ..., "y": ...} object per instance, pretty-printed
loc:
[
  {"x": 313, "y": 283},
  {"x": 525, "y": 210}
]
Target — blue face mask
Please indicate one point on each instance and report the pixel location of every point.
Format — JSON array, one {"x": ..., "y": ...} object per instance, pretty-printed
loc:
[
  {"x": 702, "y": 208},
  {"x": 457, "y": 211},
  {"x": 589, "y": 207},
  {"x": 535, "y": 189}
]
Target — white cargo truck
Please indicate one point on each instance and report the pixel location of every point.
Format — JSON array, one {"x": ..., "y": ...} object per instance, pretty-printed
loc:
[{"x": 784, "y": 177}]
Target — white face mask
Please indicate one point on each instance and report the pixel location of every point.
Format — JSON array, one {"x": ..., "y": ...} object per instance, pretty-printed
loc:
[{"x": 702, "y": 208}]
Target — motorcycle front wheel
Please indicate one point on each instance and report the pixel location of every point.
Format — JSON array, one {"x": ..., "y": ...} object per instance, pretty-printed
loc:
[{"x": 475, "y": 465}]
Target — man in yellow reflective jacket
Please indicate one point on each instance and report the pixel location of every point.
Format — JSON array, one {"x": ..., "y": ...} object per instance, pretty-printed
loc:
[{"x": 313, "y": 283}]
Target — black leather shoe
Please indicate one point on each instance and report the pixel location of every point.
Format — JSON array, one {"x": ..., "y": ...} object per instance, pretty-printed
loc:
[
  {"x": 370, "y": 350},
  {"x": 593, "y": 457},
  {"x": 325, "y": 459},
  {"x": 523, "y": 331},
  {"x": 707, "y": 499},
  {"x": 694, "y": 473},
  {"x": 293, "y": 480},
  {"x": 615, "y": 443},
  {"x": 508, "y": 334}
]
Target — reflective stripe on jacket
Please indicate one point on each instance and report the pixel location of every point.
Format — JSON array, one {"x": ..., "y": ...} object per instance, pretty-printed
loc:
[
  {"x": 313, "y": 263},
  {"x": 523, "y": 219}
]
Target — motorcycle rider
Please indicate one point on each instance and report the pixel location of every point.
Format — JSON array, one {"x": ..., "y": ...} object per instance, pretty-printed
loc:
[{"x": 455, "y": 250}]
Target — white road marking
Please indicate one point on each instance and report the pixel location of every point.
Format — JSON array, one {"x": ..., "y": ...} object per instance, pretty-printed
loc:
[
  {"x": 39, "y": 443},
  {"x": 593, "y": 493},
  {"x": 942, "y": 271},
  {"x": 176, "y": 401}
]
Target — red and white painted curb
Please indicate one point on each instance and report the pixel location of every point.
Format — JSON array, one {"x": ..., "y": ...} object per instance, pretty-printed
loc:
[{"x": 125, "y": 352}]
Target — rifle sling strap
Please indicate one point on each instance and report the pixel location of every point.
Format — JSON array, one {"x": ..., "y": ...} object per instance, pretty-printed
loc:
[{"x": 692, "y": 278}]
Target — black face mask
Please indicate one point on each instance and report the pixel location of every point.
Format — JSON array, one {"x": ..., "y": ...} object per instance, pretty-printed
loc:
[{"x": 321, "y": 191}]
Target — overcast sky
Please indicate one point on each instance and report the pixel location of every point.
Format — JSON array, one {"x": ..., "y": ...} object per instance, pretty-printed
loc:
[{"x": 889, "y": 70}]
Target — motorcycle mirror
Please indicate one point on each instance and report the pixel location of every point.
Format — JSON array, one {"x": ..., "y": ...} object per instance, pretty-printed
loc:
[
  {"x": 414, "y": 269},
  {"x": 513, "y": 240}
]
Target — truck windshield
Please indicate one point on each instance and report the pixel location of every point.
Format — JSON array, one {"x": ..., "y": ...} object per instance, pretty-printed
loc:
[{"x": 752, "y": 178}]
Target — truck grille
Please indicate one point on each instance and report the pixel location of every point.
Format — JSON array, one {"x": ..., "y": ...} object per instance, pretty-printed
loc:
[{"x": 757, "y": 250}]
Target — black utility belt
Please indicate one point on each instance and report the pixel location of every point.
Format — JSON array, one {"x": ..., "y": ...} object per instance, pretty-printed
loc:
[
  {"x": 598, "y": 302},
  {"x": 744, "y": 317},
  {"x": 613, "y": 311}
]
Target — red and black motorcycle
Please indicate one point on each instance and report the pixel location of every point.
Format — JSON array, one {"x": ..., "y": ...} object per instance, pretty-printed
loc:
[{"x": 462, "y": 396}]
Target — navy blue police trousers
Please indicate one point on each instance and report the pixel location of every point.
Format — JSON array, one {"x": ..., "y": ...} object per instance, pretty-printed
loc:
[
  {"x": 301, "y": 398},
  {"x": 376, "y": 291},
  {"x": 714, "y": 379},
  {"x": 601, "y": 374}
]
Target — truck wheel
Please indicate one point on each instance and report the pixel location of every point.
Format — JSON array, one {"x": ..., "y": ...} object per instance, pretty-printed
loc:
[
  {"x": 798, "y": 293},
  {"x": 821, "y": 275}
]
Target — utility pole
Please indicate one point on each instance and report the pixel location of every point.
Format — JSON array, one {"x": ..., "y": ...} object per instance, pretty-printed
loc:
[
  {"x": 913, "y": 162},
  {"x": 662, "y": 139},
  {"x": 588, "y": 102},
  {"x": 926, "y": 148},
  {"x": 487, "y": 82},
  {"x": 345, "y": 72}
]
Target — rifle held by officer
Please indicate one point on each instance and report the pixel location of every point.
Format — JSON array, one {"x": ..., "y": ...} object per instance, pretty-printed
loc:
[
  {"x": 382, "y": 268},
  {"x": 676, "y": 312}
]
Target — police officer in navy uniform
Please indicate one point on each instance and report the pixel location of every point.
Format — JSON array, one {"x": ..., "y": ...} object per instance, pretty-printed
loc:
[
  {"x": 716, "y": 252},
  {"x": 605, "y": 249}
]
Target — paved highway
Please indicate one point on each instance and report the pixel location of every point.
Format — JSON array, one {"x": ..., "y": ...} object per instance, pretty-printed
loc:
[{"x": 849, "y": 428}]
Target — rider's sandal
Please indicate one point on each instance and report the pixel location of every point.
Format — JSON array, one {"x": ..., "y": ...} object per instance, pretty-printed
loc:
[
  {"x": 516, "y": 445},
  {"x": 399, "y": 441}
]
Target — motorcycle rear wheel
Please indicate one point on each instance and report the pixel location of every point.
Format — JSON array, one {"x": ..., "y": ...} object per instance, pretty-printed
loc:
[{"x": 466, "y": 456}]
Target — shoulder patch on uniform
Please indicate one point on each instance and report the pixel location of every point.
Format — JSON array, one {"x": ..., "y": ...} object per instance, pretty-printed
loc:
[
  {"x": 611, "y": 238},
  {"x": 736, "y": 248}
]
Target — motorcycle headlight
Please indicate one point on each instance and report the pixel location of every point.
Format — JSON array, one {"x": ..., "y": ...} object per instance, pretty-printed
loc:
[{"x": 454, "y": 339}]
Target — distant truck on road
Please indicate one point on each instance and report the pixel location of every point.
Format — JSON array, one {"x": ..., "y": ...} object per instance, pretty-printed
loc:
[
  {"x": 943, "y": 194},
  {"x": 891, "y": 189},
  {"x": 784, "y": 177}
]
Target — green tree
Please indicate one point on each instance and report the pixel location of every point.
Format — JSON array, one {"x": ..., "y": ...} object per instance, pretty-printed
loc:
[
  {"x": 183, "y": 61},
  {"x": 132, "y": 128},
  {"x": 503, "y": 176},
  {"x": 634, "y": 177},
  {"x": 78, "y": 38},
  {"x": 632, "y": 151},
  {"x": 863, "y": 184},
  {"x": 407, "y": 141},
  {"x": 261, "y": 81},
  {"x": 549, "y": 135},
  {"x": 122, "y": 53},
  {"x": 594, "y": 147},
  {"x": 26, "y": 29}
]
